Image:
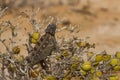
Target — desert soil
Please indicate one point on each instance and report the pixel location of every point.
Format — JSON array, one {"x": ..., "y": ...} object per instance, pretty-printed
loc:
[{"x": 100, "y": 21}]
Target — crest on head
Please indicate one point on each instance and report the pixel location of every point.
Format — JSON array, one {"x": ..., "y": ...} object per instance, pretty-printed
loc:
[{"x": 51, "y": 28}]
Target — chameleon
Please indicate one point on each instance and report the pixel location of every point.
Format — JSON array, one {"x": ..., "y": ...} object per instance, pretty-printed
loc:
[{"x": 44, "y": 47}]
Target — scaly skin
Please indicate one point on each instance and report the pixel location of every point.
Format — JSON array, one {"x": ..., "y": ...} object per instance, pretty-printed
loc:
[{"x": 44, "y": 47}]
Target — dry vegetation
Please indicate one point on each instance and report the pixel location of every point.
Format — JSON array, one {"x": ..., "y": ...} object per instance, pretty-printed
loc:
[{"x": 78, "y": 58}]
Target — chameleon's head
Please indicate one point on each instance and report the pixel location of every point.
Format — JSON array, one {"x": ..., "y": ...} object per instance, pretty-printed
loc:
[{"x": 51, "y": 28}]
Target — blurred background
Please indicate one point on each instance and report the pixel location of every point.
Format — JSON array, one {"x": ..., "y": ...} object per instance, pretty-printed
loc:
[{"x": 97, "y": 19}]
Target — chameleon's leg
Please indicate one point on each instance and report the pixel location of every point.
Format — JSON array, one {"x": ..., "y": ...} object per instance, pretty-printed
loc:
[{"x": 44, "y": 66}]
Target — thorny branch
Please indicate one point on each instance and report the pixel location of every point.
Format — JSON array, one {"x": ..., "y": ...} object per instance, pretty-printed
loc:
[
  {"x": 2, "y": 12},
  {"x": 70, "y": 62}
]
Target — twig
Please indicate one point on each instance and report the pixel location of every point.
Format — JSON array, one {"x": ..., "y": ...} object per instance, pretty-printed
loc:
[
  {"x": 2, "y": 12},
  {"x": 3, "y": 68}
]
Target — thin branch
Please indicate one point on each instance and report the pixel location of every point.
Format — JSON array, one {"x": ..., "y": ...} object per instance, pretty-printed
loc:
[{"x": 2, "y": 12}]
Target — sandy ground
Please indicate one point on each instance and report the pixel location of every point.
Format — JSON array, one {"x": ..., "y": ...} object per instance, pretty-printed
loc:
[{"x": 100, "y": 21}]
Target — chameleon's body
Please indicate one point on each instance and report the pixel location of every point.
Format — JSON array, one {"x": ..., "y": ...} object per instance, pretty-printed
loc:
[{"x": 44, "y": 47}]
